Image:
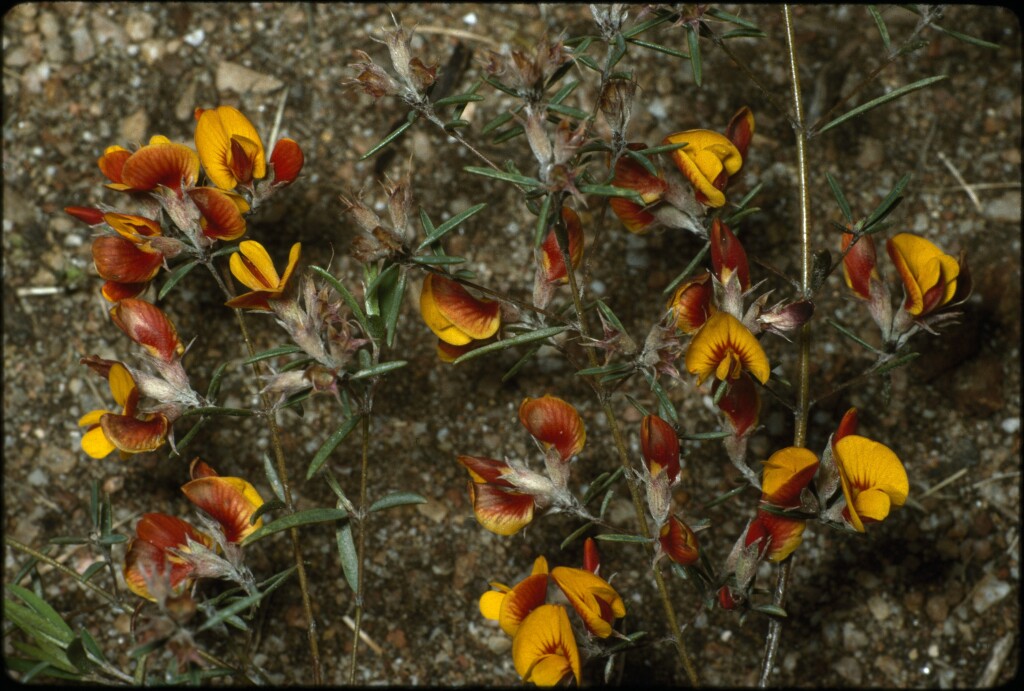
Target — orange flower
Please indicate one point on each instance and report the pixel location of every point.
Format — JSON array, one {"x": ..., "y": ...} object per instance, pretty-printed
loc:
[
  {"x": 287, "y": 160},
  {"x": 126, "y": 431},
  {"x": 221, "y": 211},
  {"x": 873, "y": 479},
  {"x": 779, "y": 535},
  {"x": 499, "y": 505},
  {"x": 551, "y": 256},
  {"x": 741, "y": 129},
  {"x": 679, "y": 542},
  {"x": 727, "y": 255},
  {"x": 147, "y": 325},
  {"x": 741, "y": 404},
  {"x": 859, "y": 265},
  {"x": 510, "y": 606},
  {"x": 251, "y": 266},
  {"x": 230, "y": 147},
  {"x": 231, "y": 501},
  {"x": 594, "y": 600},
  {"x": 544, "y": 649},
  {"x": 161, "y": 163},
  {"x": 553, "y": 422},
  {"x": 629, "y": 174},
  {"x": 659, "y": 444},
  {"x": 725, "y": 348},
  {"x": 707, "y": 161},
  {"x": 786, "y": 474},
  {"x": 127, "y": 267},
  {"x": 150, "y": 558},
  {"x": 929, "y": 276},
  {"x": 691, "y": 304},
  {"x": 111, "y": 164},
  {"x": 455, "y": 316}
]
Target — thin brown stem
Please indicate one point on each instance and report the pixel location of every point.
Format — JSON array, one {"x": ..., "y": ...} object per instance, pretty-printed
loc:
[
  {"x": 360, "y": 547},
  {"x": 804, "y": 365}
]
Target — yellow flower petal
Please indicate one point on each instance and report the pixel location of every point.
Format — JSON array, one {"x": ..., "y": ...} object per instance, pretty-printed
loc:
[
  {"x": 544, "y": 649},
  {"x": 214, "y": 133},
  {"x": 592, "y": 597},
  {"x": 786, "y": 473},
  {"x": 253, "y": 267},
  {"x": 723, "y": 347},
  {"x": 95, "y": 442},
  {"x": 923, "y": 267},
  {"x": 122, "y": 385},
  {"x": 867, "y": 467}
]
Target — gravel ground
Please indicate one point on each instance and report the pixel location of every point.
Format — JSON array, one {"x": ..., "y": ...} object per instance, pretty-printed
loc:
[{"x": 929, "y": 598}]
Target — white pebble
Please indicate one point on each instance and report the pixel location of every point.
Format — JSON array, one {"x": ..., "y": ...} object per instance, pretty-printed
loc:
[
  {"x": 470, "y": 19},
  {"x": 1011, "y": 425},
  {"x": 195, "y": 38}
]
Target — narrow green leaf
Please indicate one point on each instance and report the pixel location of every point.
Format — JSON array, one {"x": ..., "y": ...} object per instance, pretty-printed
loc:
[
  {"x": 396, "y": 499},
  {"x": 272, "y": 478},
  {"x": 638, "y": 29},
  {"x": 450, "y": 224},
  {"x": 514, "y": 369},
  {"x": 705, "y": 436},
  {"x": 660, "y": 48},
  {"x": 298, "y": 363},
  {"x": 613, "y": 191},
  {"x": 882, "y": 30},
  {"x": 343, "y": 501},
  {"x": 617, "y": 52},
  {"x": 614, "y": 368},
  {"x": 330, "y": 444},
  {"x": 457, "y": 99},
  {"x": 725, "y": 497},
  {"x": 92, "y": 648},
  {"x": 176, "y": 275},
  {"x": 606, "y": 502},
  {"x": 665, "y": 407},
  {"x": 663, "y": 148},
  {"x": 636, "y": 404},
  {"x": 507, "y": 135},
  {"x": 56, "y": 623},
  {"x": 642, "y": 160},
  {"x": 569, "y": 111},
  {"x": 731, "y": 18},
  {"x": 852, "y": 336},
  {"x": 588, "y": 61},
  {"x": 391, "y": 137},
  {"x": 967, "y": 39},
  {"x": 888, "y": 204},
  {"x": 497, "y": 122},
  {"x": 245, "y": 602},
  {"x": 540, "y": 229},
  {"x": 345, "y": 295},
  {"x": 37, "y": 625},
  {"x": 437, "y": 260},
  {"x": 393, "y": 305},
  {"x": 685, "y": 273},
  {"x": 693, "y": 43},
  {"x": 215, "y": 379},
  {"x": 844, "y": 205},
  {"x": 575, "y": 535},
  {"x": 382, "y": 280},
  {"x": 267, "y": 507},
  {"x": 771, "y": 610},
  {"x": 348, "y": 555},
  {"x": 610, "y": 315},
  {"x": 891, "y": 96},
  {"x": 563, "y": 93},
  {"x": 601, "y": 483},
  {"x": 69, "y": 540},
  {"x": 897, "y": 362},
  {"x": 428, "y": 225},
  {"x": 108, "y": 540},
  {"x": 529, "y": 337},
  {"x": 743, "y": 33},
  {"x": 295, "y": 520},
  {"x": 273, "y": 352},
  {"x": 621, "y": 537},
  {"x": 379, "y": 369},
  {"x": 91, "y": 571},
  {"x": 502, "y": 175},
  {"x": 500, "y": 86}
]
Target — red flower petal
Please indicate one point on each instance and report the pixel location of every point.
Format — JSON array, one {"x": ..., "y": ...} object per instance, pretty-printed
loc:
[
  {"x": 551, "y": 256},
  {"x": 660, "y": 446},
  {"x": 501, "y": 511},
  {"x": 169, "y": 165},
  {"x": 554, "y": 422},
  {"x": 476, "y": 318},
  {"x": 486, "y": 470},
  {"x": 287, "y": 159},
  {"x": 679, "y": 542},
  {"x": 123, "y": 261},
  {"x": 741, "y": 404},
  {"x": 147, "y": 325},
  {"x": 222, "y": 218},
  {"x": 132, "y": 435},
  {"x": 728, "y": 255}
]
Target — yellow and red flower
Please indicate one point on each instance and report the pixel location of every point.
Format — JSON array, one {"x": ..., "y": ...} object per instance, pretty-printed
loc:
[
  {"x": 597, "y": 603},
  {"x": 551, "y": 257},
  {"x": 455, "y": 316},
  {"x": 544, "y": 650},
  {"x": 231, "y": 501},
  {"x": 147, "y": 325},
  {"x": 161, "y": 163},
  {"x": 691, "y": 304},
  {"x": 786, "y": 474},
  {"x": 707, "y": 161},
  {"x": 725, "y": 348},
  {"x": 929, "y": 275},
  {"x": 659, "y": 445},
  {"x": 741, "y": 404},
  {"x": 286, "y": 159},
  {"x": 221, "y": 213},
  {"x": 859, "y": 265},
  {"x": 127, "y": 431},
  {"x": 510, "y": 606},
  {"x": 252, "y": 266},
  {"x": 679, "y": 542},
  {"x": 554, "y": 423},
  {"x": 151, "y": 555},
  {"x": 728, "y": 257},
  {"x": 499, "y": 505},
  {"x": 230, "y": 147},
  {"x": 630, "y": 174},
  {"x": 873, "y": 479}
]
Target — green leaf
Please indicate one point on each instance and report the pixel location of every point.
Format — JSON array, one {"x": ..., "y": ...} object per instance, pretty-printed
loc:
[
  {"x": 618, "y": 50},
  {"x": 330, "y": 444},
  {"x": 638, "y": 29},
  {"x": 743, "y": 33},
  {"x": 528, "y": 337},
  {"x": 575, "y": 535},
  {"x": 731, "y": 18},
  {"x": 172, "y": 280},
  {"x": 614, "y": 368},
  {"x": 345, "y": 295},
  {"x": 497, "y": 122},
  {"x": 272, "y": 478},
  {"x": 379, "y": 369},
  {"x": 967, "y": 39},
  {"x": 705, "y": 436},
  {"x": 685, "y": 273},
  {"x": 428, "y": 225},
  {"x": 246, "y": 602},
  {"x": 642, "y": 160},
  {"x": 55, "y": 626},
  {"x": 437, "y": 260},
  {"x": 887, "y": 205},
  {"x": 392, "y": 305},
  {"x": 273, "y": 352},
  {"x": 852, "y": 336},
  {"x": 770, "y": 609},
  {"x": 542, "y": 221},
  {"x": 514, "y": 369},
  {"x": 91, "y": 571},
  {"x": 396, "y": 499},
  {"x": 348, "y": 555},
  {"x": 613, "y": 191},
  {"x": 564, "y": 92},
  {"x": 602, "y": 482},
  {"x": 569, "y": 111},
  {"x": 215, "y": 379},
  {"x": 882, "y": 30},
  {"x": 108, "y": 540},
  {"x": 693, "y": 43},
  {"x": 457, "y": 99},
  {"x": 610, "y": 315},
  {"x": 507, "y": 135},
  {"x": 874, "y": 103},
  {"x": 413, "y": 115},
  {"x": 844, "y": 205},
  {"x": 897, "y": 362},
  {"x": 665, "y": 407},
  {"x": 450, "y": 224},
  {"x": 503, "y": 175},
  {"x": 295, "y": 520},
  {"x": 660, "y": 48},
  {"x": 92, "y": 648},
  {"x": 725, "y": 497},
  {"x": 501, "y": 87},
  {"x": 621, "y": 537}
]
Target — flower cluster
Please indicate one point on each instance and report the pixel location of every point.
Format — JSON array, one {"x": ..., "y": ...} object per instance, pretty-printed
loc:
[
  {"x": 797, "y": 485},
  {"x": 678, "y": 197},
  {"x": 169, "y": 554},
  {"x": 933, "y": 283},
  {"x": 505, "y": 494},
  {"x": 544, "y": 649}
]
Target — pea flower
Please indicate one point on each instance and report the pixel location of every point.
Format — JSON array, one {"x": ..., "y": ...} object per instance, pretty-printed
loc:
[
  {"x": 707, "y": 161},
  {"x": 678, "y": 542},
  {"x": 859, "y": 270},
  {"x": 691, "y": 304},
  {"x": 554, "y": 423},
  {"x": 551, "y": 263},
  {"x": 594, "y": 600},
  {"x": 929, "y": 276},
  {"x": 286, "y": 160},
  {"x": 229, "y": 147},
  {"x": 230, "y": 501},
  {"x": 156, "y": 563},
  {"x": 544, "y": 650},
  {"x": 221, "y": 213},
  {"x": 630, "y": 174},
  {"x": 872, "y": 477},
  {"x": 252, "y": 266},
  {"x": 455, "y": 316},
  {"x": 786, "y": 473},
  {"x": 148, "y": 326},
  {"x": 510, "y": 606},
  {"x": 728, "y": 257},
  {"x": 161, "y": 163},
  {"x": 126, "y": 266},
  {"x": 127, "y": 431},
  {"x": 725, "y": 348}
]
